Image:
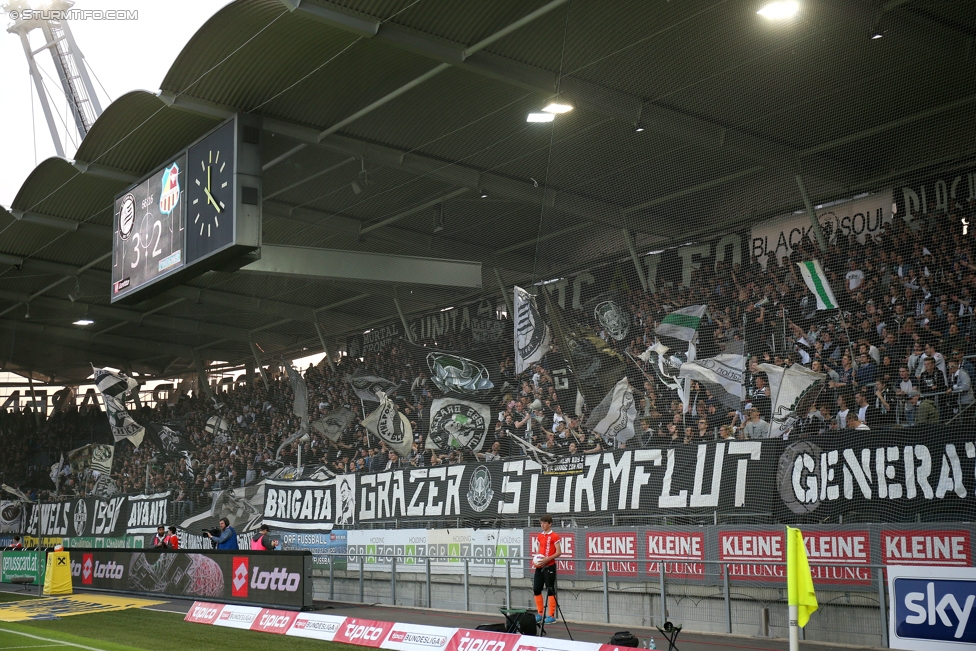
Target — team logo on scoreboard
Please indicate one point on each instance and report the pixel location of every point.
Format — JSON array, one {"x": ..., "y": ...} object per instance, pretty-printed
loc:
[
  {"x": 127, "y": 215},
  {"x": 169, "y": 195}
]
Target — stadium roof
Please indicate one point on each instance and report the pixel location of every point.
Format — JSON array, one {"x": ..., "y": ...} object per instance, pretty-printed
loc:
[{"x": 429, "y": 97}]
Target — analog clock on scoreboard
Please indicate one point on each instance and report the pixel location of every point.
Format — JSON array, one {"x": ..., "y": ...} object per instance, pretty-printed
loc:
[
  {"x": 210, "y": 193},
  {"x": 198, "y": 212},
  {"x": 149, "y": 221}
]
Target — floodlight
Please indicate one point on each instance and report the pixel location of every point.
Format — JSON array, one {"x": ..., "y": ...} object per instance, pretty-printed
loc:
[
  {"x": 780, "y": 10},
  {"x": 558, "y": 108}
]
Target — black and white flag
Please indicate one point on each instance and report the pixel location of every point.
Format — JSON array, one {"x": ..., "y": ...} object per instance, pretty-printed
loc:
[
  {"x": 117, "y": 385},
  {"x": 169, "y": 439},
  {"x": 102, "y": 457},
  {"x": 219, "y": 427},
  {"x": 105, "y": 487},
  {"x": 614, "y": 417},
  {"x": 79, "y": 459},
  {"x": 366, "y": 385},
  {"x": 465, "y": 375},
  {"x": 300, "y": 389},
  {"x": 543, "y": 458},
  {"x": 723, "y": 376},
  {"x": 458, "y": 424},
  {"x": 532, "y": 336},
  {"x": 115, "y": 388},
  {"x": 56, "y": 469},
  {"x": 334, "y": 423},
  {"x": 390, "y": 425}
]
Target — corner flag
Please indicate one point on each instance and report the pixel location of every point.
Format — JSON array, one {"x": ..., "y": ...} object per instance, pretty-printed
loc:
[{"x": 799, "y": 580}]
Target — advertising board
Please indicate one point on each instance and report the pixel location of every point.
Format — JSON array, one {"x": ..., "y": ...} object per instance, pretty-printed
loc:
[
  {"x": 279, "y": 579},
  {"x": 931, "y": 608}
]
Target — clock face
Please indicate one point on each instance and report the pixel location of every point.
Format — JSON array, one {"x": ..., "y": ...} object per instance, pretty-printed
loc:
[{"x": 210, "y": 194}]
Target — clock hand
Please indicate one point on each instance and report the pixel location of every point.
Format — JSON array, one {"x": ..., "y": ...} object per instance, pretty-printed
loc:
[{"x": 210, "y": 199}]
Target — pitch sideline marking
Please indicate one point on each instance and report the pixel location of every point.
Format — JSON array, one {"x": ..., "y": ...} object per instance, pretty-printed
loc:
[{"x": 48, "y": 639}]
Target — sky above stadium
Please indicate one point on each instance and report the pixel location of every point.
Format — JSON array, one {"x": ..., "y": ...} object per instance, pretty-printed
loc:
[{"x": 124, "y": 55}]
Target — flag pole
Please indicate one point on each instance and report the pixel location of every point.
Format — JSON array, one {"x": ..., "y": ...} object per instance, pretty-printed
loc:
[{"x": 792, "y": 590}]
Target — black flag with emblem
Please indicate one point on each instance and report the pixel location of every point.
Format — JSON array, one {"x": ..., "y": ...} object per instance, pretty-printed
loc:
[
  {"x": 471, "y": 374},
  {"x": 596, "y": 366},
  {"x": 169, "y": 438},
  {"x": 366, "y": 385},
  {"x": 332, "y": 425}
]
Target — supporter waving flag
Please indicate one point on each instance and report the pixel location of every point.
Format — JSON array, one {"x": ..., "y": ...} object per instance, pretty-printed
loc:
[
  {"x": 682, "y": 324},
  {"x": 532, "y": 336},
  {"x": 115, "y": 388},
  {"x": 300, "y": 390},
  {"x": 117, "y": 385},
  {"x": 614, "y": 417},
  {"x": 390, "y": 426},
  {"x": 816, "y": 280}
]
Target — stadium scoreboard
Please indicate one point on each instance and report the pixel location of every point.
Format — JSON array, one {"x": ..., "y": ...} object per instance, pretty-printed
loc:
[{"x": 199, "y": 211}]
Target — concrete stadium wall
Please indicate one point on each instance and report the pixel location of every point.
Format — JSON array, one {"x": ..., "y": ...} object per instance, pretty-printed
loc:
[{"x": 844, "y": 617}]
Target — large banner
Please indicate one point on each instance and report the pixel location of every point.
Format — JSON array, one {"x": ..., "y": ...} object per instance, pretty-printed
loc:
[
  {"x": 477, "y": 319},
  {"x": 110, "y": 517},
  {"x": 899, "y": 475},
  {"x": 488, "y": 551},
  {"x": 865, "y": 218},
  {"x": 919, "y": 198},
  {"x": 281, "y": 579},
  {"x": 896, "y": 477}
]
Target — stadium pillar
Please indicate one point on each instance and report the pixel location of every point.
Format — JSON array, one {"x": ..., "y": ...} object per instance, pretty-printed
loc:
[
  {"x": 403, "y": 320},
  {"x": 814, "y": 222},
  {"x": 257, "y": 361},
  {"x": 249, "y": 372},
  {"x": 633, "y": 256},
  {"x": 328, "y": 356},
  {"x": 202, "y": 375}
]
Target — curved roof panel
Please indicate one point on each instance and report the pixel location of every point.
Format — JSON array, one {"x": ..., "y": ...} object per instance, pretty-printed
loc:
[{"x": 137, "y": 131}]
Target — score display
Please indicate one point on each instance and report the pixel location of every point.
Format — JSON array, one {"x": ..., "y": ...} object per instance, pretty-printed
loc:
[
  {"x": 198, "y": 212},
  {"x": 149, "y": 223}
]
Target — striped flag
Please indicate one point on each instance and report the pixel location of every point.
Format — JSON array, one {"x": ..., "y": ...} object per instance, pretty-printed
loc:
[
  {"x": 682, "y": 324},
  {"x": 114, "y": 384},
  {"x": 816, "y": 280}
]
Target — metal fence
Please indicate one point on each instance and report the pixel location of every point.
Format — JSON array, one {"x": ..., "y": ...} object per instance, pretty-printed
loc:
[{"x": 707, "y": 596}]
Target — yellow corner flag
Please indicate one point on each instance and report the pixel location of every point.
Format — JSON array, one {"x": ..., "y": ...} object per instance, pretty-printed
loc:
[{"x": 799, "y": 580}]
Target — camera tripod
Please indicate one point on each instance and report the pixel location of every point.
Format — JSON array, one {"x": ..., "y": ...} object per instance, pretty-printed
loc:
[{"x": 559, "y": 611}]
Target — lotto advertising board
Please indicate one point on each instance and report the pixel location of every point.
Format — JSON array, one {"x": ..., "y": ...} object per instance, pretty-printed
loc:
[
  {"x": 277, "y": 579},
  {"x": 488, "y": 550}
]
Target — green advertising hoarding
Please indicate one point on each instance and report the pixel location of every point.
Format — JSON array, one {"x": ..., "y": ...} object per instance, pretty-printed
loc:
[{"x": 21, "y": 564}]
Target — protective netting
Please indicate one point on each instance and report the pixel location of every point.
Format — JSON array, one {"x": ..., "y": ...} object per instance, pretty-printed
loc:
[{"x": 696, "y": 327}]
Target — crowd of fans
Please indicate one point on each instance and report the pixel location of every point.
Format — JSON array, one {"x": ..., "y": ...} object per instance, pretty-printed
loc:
[{"x": 895, "y": 355}]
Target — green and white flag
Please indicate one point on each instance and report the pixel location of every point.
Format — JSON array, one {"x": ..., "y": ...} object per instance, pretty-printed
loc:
[
  {"x": 816, "y": 280},
  {"x": 682, "y": 324}
]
